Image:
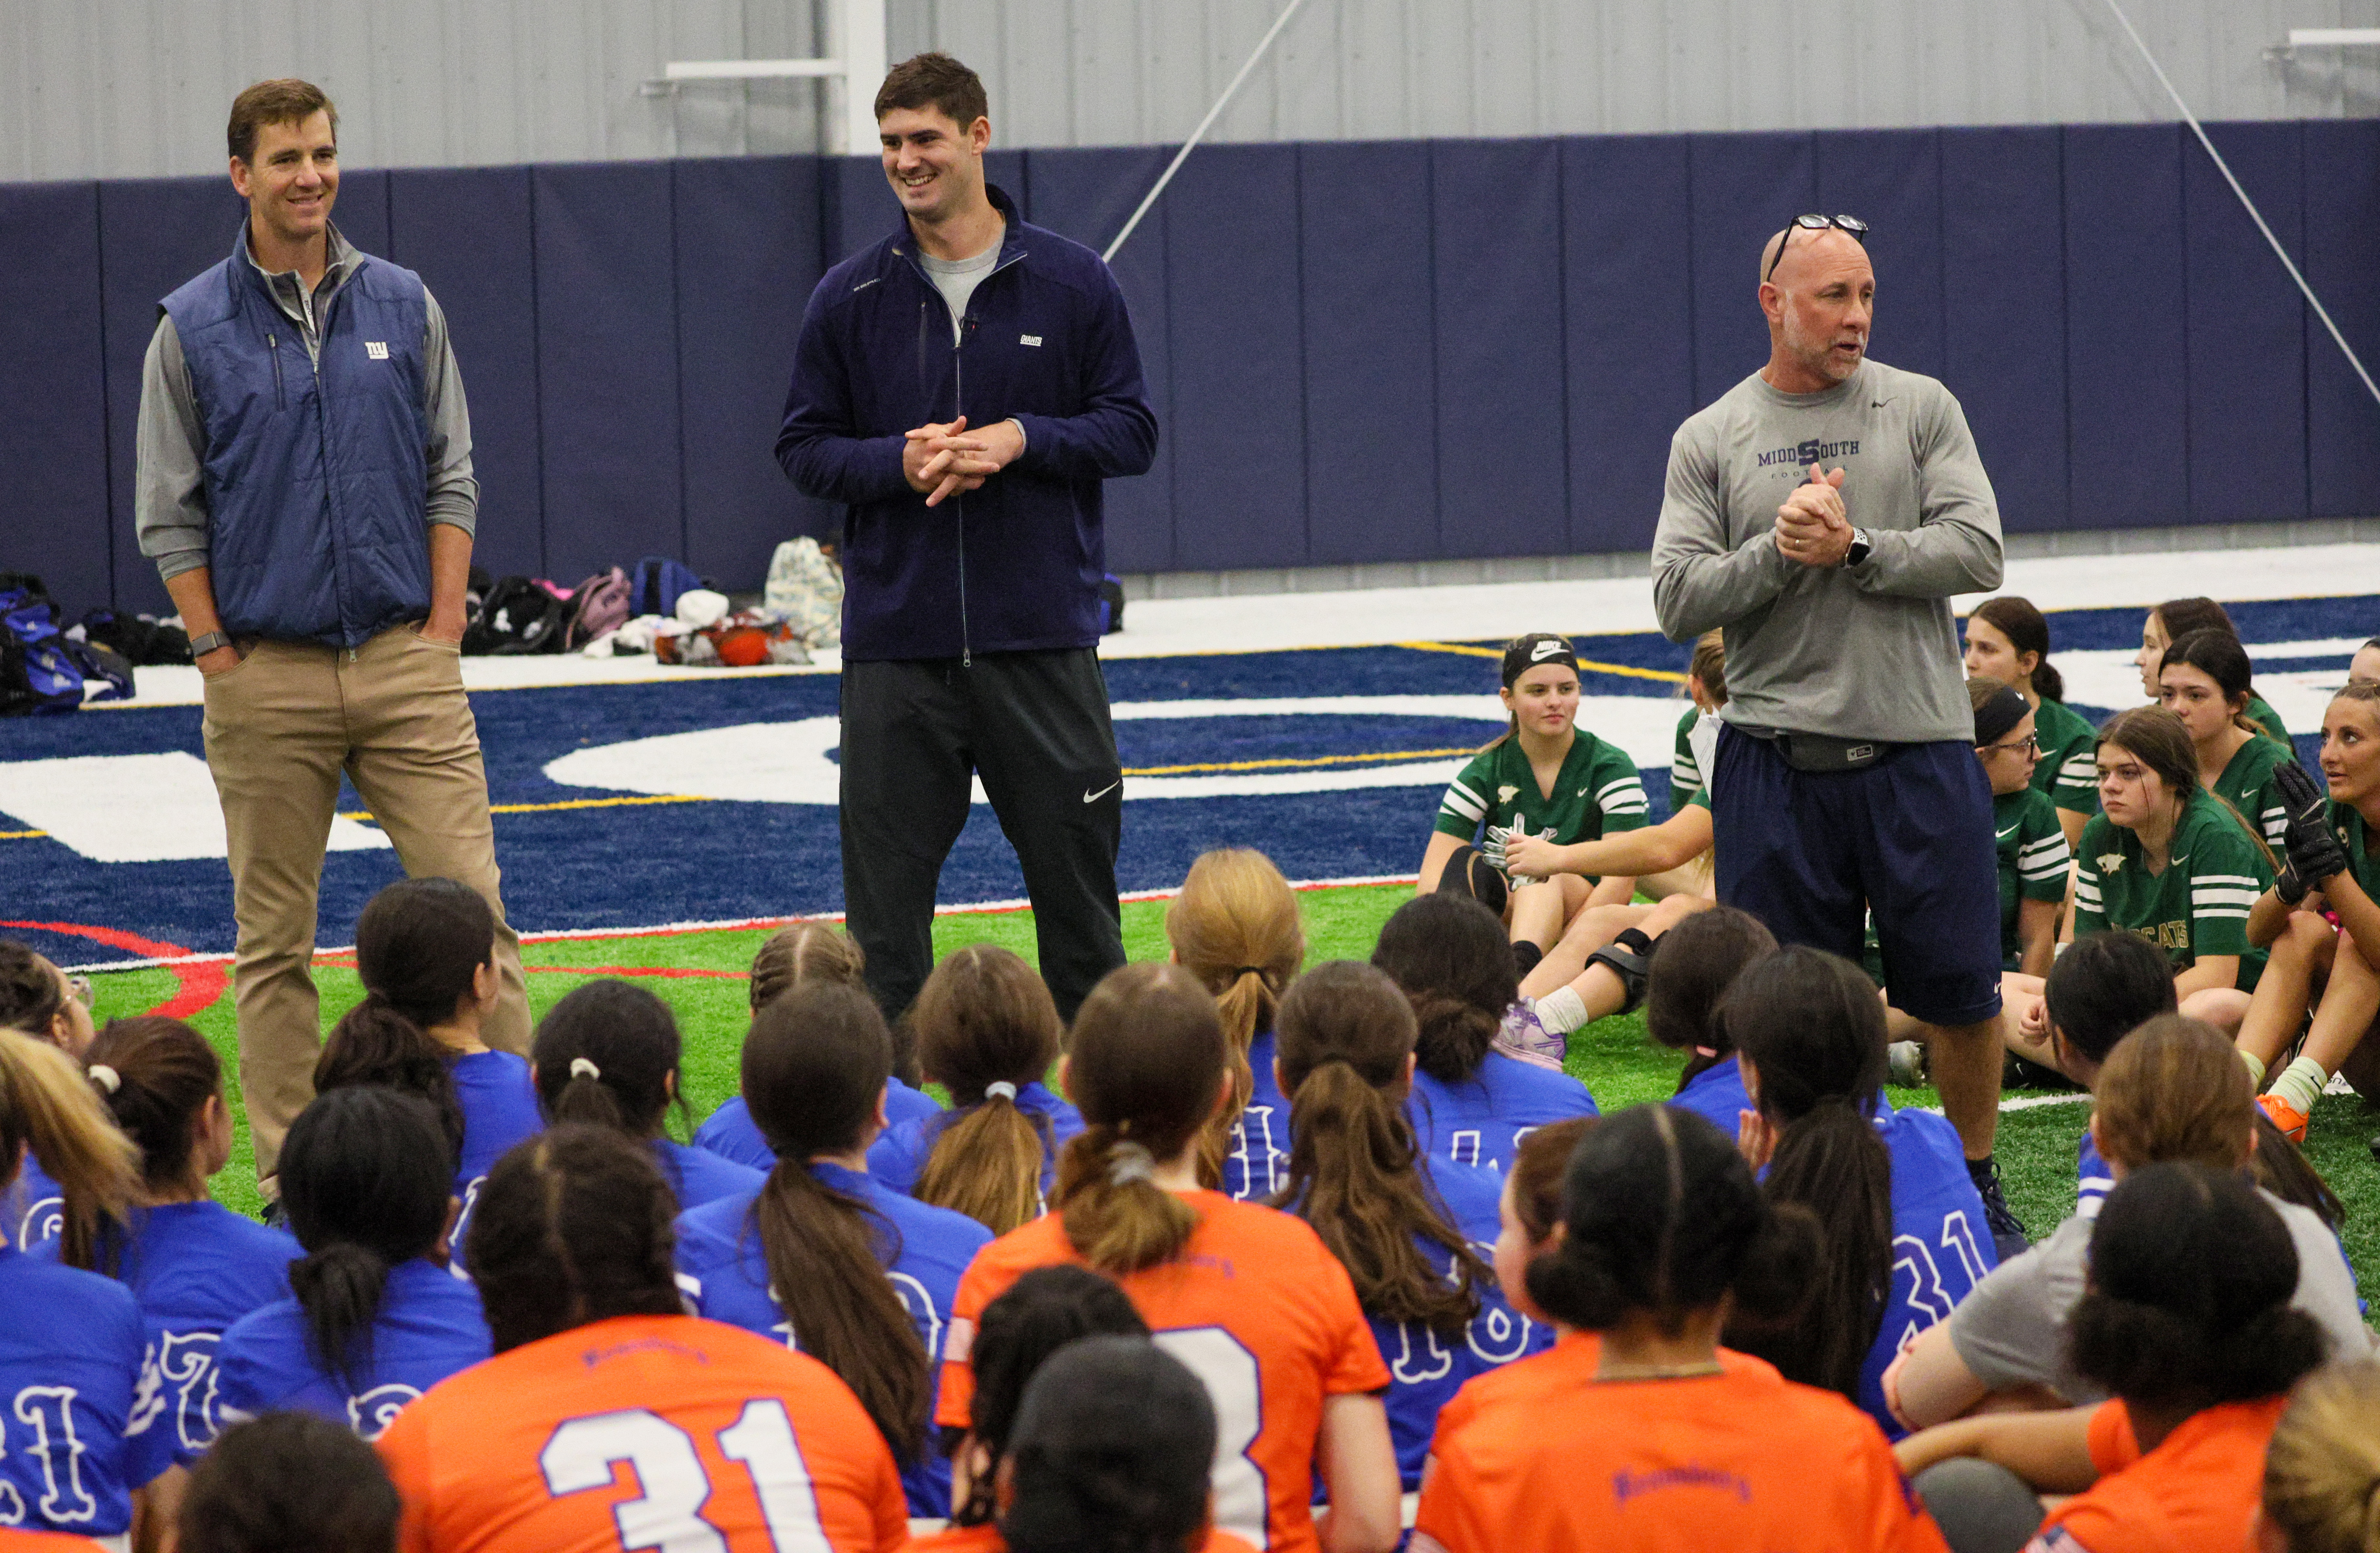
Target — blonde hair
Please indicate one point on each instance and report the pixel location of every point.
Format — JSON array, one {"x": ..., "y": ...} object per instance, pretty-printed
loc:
[
  {"x": 2174, "y": 1091},
  {"x": 804, "y": 951},
  {"x": 2321, "y": 1471},
  {"x": 48, "y": 1106},
  {"x": 1235, "y": 927},
  {"x": 984, "y": 1018}
]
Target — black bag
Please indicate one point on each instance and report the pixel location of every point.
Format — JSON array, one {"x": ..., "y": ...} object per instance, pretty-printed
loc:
[
  {"x": 520, "y": 615},
  {"x": 139, "y": 642}
]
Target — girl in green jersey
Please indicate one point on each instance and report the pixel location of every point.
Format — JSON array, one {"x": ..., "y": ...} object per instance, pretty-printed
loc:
[
  {"x": 2173, "y": 863},
  {"x": 2203, "y": 679},
  {"x": 2007, "y": 639},
  {"x": 2177, "y": 618},
  {"x": 2315, "y": 967}
]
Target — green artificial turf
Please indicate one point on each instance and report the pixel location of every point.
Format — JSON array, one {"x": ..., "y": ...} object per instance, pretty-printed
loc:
[{"x": 1613, "y": 1057}]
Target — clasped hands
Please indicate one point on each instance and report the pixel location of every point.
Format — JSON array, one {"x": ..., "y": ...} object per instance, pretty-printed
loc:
[
  {"x": 1812, "y": 526},
  {"x": 944, "y": 460}
]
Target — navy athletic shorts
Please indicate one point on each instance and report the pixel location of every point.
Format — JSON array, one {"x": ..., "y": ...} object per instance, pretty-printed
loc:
[{"x": 1908, "y": 838}]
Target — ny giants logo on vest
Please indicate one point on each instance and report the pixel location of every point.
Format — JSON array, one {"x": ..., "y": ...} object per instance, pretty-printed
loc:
[{"x": 1808, "y": 451}]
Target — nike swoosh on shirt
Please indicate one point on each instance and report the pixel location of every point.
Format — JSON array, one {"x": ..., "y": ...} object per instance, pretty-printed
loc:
[
  {"x": 1095, "y": 797},
  {"x": 2007, "y": 833}
]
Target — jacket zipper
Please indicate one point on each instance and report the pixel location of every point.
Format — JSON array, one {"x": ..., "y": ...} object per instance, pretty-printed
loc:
[
  {"x": 958, "y": 501},
  {"x": 323, "y": 432},
  {"x": 280, "y": 398}
]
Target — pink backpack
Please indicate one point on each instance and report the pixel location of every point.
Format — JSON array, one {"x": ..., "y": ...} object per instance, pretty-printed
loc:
[{"x": 597, "y": 605}]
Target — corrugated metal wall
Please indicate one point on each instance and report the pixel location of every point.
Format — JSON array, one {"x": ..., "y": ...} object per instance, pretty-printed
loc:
[{"x": 139, "y": 88}]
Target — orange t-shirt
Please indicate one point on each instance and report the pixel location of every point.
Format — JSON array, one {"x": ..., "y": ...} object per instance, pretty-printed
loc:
[
  {"x": 1539, "y": 1454},
  {"x": 17, "y": 1539},
  {"x": 1258, "y": 1307},
  {"x": 2198, "y": 1489},
  {"x": 986, "y": 1538},
  {"x": 644, "y": 1431}
]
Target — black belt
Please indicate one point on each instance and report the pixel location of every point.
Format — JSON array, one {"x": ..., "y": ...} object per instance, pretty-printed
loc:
[{"x": 1823, "y": 753}]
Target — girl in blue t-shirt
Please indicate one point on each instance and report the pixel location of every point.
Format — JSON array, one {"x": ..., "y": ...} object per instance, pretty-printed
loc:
[
  {"x": 986, "y": 1031},
  {"x": 1694, "y": 965},
  {"x": 37, "y": 1000},
  {"x": 68, "y": 1381},
  {"x": 803, "y": 952},
  {"x": 1412, "y": 1235},
  {"x": 1905, "y": 1234},
  {"x": 425, "y": 951},
  {"x": 374, "y": 1319},
  {"x": 608, "y": 1054},
  {"x": 1235, "y": 927},
  {"x": 1470, "y": 1104},
  {"x": 820, "y": 1256},
  {"x": 194, "y": 1265}
]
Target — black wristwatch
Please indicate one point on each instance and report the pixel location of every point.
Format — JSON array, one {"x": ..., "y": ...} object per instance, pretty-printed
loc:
[{"x": 1861, "y": 548}]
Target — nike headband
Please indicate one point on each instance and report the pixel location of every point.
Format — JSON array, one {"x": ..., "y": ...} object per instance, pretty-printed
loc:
[
  {"x": 1537, "y": 647},
  {"x": 1996, "y": 717}
]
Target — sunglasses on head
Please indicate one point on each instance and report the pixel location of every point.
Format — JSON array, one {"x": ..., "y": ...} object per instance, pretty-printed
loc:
[{"x": 1849, "y": 223}]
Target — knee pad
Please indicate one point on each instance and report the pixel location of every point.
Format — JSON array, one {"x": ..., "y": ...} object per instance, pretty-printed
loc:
[{"x": 1469, "y": 873}]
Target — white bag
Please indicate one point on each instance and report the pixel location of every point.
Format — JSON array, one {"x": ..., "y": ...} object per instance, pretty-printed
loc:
[{"x": 805, "y": 589}]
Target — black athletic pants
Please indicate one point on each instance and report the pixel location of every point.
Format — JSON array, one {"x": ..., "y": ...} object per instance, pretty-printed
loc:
[{"x": 1034, "y": 725}]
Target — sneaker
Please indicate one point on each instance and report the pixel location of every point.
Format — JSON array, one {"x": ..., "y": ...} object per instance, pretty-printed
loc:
[
  {"x": 2008, "y": 1238},
  {"x": 1523, "y": 1036},
  {"x": 2286, "y": 1117},
  {"x": 1907, "y": 1062}
]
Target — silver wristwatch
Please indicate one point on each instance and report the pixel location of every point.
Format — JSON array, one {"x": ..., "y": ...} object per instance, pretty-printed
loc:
[{"x": 202, "y": 646}]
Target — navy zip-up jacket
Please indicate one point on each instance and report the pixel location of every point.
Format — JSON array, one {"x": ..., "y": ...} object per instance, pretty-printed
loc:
[{"x": 1014, "y": 565}]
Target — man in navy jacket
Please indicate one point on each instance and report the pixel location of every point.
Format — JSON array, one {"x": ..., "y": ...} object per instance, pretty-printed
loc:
[{"x": 963, "y": 388}]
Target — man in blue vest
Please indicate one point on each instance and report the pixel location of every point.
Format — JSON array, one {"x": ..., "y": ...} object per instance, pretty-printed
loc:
[
  {"x": 963, "y": 388},
  {"x": 305, "y": 489}
]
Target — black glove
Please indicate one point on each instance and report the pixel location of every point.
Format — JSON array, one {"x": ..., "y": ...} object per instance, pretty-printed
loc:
[
  {"x": 2314, "y": 852},
  {"x": 2288, "y": 886}
]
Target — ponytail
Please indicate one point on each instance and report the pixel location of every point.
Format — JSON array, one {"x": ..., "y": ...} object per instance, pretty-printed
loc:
[
  {"x": 985, "y": 1027},
  {"x": 1235, "y": 927},
  {"x": 365, "y": 1178},
  {"x": 420, "y": 942},
  {"x": 1450, "y": 955},
  {"x": 160, "y": 1073},
  {"x": 46, "y": 1106},
  {"x": 2321, "y": 1471},
  {"x": 2027, "y": 630},
  {"x": 372, "y": 1043},
  {"x": 1810, "y": 1026},
  {"x": 607, "y": 1054},
  {"x": 814, "y": 1067},
  {"x": 1346, "y": 1033},
  {"x": 1145, "y": 1066}
]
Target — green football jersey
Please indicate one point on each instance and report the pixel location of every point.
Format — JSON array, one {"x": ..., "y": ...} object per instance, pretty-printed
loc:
[
  {"x": 1596, "y": 792},
  {"x": 2032, "y": 860},
  {"x": 1685, "y": 770},
  {"x": 2198, "y": 905},
  {"x": 2264, "y": 717},
  {"x": 2247, "y": 785},
  {"x": 2363, "y": 863},
  {"x": 2068, "y": 770}
]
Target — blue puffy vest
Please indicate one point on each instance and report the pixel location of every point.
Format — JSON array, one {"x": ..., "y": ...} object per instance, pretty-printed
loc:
[{"x": 317, "y": 472}]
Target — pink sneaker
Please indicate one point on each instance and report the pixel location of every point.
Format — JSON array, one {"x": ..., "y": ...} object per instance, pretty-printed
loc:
[{"x": 1522, "y": 1035}]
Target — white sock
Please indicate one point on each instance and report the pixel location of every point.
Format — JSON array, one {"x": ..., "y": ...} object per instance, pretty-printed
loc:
[
  {"x": 2255, "y": 1067},
  {"x": 1562, "y": 1011},
  {"x": 2301, "y": 1084}
]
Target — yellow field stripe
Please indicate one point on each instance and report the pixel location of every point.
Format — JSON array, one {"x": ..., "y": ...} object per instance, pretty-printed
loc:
[
  {"x": 20, "y": 835},
  {"x": 1587, "y": 665},
  {"x": 1300, "y": 760},
  {"x": 575, "y": 804}
]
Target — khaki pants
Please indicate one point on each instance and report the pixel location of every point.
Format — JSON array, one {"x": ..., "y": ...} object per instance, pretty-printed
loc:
[{"x": 279, "y": 726}]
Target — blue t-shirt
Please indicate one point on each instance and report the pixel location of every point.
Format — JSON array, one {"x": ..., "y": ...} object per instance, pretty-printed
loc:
[
  {"x": 195, "y": 1269},
  {"x": 2092, "y": 1179},
  {"x": 1425, "y": 1369},
  {"x": 925, "y": 1249},
  {"x": 698, "y": 1176},
  {"x": 67, "y": 1391},
  {"x": 898, "y": 1157},
  {"x": 1941, "y": 1247},
  {"x": 499, "y": 1110},
  {"x": 1717, "y": 1096},
  {"x": 729, "y": 1133},
  {"x": 35, "y": 1207},
  {"x": 1257, "y": 1165},
  {"x": 1481, "y": 1120},
  {"x": 428, "y": 1326}
]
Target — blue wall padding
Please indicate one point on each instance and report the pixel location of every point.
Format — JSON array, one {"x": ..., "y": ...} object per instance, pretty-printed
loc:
[
  {"x": 1628, "y": 303},
  {"x": 1089, "y": 194},
  {"x": 607, "y": 366},
  {"x": 1744, "y": 187},
  {"x": 2247, "y": 328},
  {"x": 2342, "y": 224},
  {"x": 747, "y": 254},
  {"x": 2004, "y": 312},
  {"x": 1371, "y": 395},
  {"x": 1504, "y": 484},
  {"x": 1892, "y": 180},
  {"x": 2127, "y": 326},
  {"x": 52, "y": 404},
  {"x": 469, "y": 233},
  {"x": 1239, "y": 424},
  {"x": 153, "y": 235},
  {"x": 1357, "y": 352}
]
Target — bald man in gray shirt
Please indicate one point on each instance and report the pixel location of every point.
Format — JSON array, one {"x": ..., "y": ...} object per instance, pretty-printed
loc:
[{"x": 1821, "y": 512}]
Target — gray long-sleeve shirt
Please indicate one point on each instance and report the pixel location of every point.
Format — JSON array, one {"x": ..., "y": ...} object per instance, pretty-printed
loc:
[
  {"x": 169, "y": 502},
  {"x": 1864, "y": 652}
]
